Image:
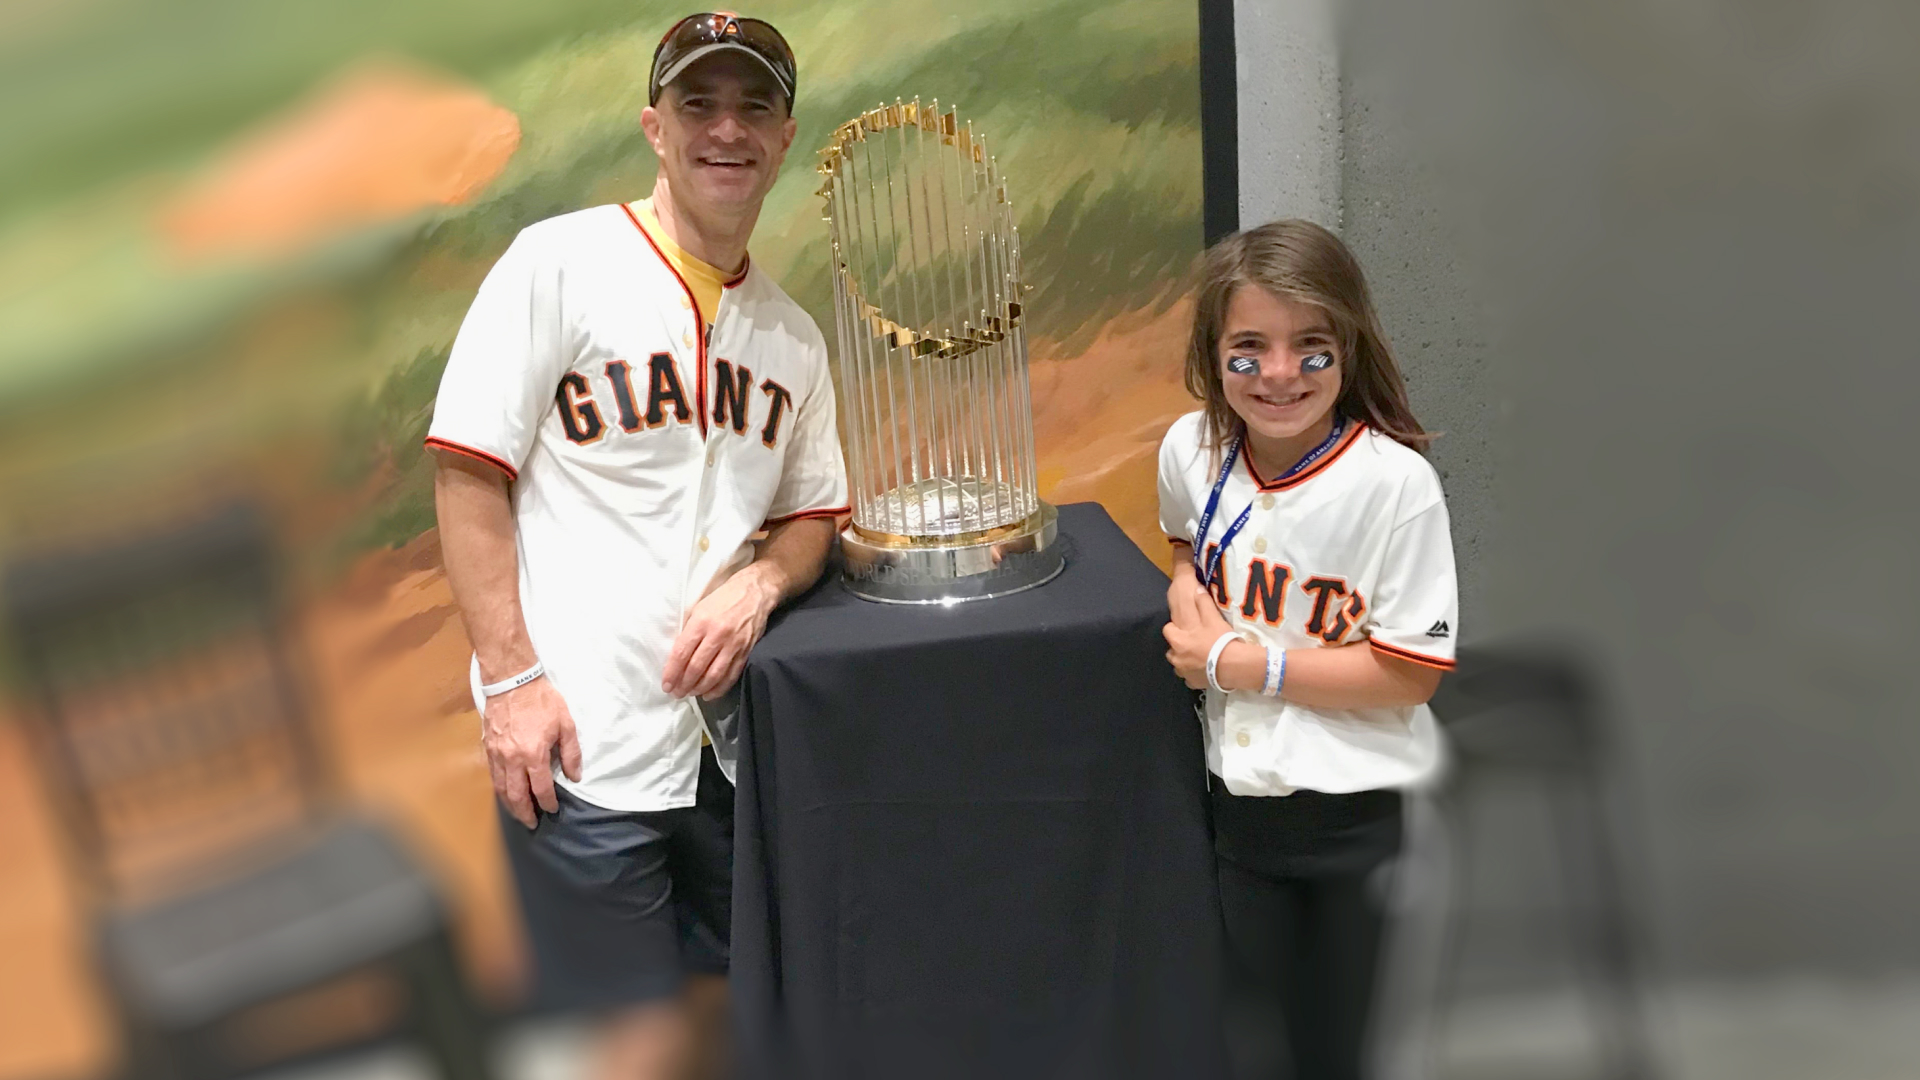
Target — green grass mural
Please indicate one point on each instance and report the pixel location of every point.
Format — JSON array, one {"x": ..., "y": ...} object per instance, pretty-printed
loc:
[{"x": 1092, "y": 108}]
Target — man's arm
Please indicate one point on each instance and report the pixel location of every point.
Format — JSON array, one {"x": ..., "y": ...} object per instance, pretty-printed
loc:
[
  {"x": 723, "y": 626},
  {"x": 523, "y": 727}
]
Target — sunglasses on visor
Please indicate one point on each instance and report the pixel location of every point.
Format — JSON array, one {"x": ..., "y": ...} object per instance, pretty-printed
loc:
[{"x": 712, "y": 31}]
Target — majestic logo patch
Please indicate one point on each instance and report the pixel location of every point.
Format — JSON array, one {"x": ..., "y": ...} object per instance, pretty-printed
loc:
[
  {"x": 1317, "y": 362},
  {"x": 1243, "y": 365},
  {"x": 1438, "y": 629}
]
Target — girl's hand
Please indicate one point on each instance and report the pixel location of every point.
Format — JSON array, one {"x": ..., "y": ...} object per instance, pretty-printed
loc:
[{"x": 1196, "y": 625}]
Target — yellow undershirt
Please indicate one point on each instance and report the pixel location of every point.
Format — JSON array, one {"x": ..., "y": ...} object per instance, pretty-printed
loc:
[{"x": 705, "y": 281}]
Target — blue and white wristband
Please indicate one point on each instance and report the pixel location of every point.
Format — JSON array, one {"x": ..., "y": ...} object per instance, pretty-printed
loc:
[{"x": 1276, "y": 672}]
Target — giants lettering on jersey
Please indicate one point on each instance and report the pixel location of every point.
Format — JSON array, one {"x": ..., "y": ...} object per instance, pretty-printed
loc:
[
  {"x": 667, "y": 400},
  {"x": 1337, "y": 609}
]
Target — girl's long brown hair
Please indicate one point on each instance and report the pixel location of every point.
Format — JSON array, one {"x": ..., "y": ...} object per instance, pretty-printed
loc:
[{"x": 1298, "y": 260}]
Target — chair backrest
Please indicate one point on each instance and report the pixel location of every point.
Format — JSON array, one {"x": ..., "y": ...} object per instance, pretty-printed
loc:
[
  {"x": 170, "y": 726},
  {"x": 1525, "y": 707}
]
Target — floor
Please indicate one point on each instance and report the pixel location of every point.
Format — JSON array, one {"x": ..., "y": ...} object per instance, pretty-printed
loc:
[
  {"x": 1781, "y": 1029},
  {"x": 1787, "y": 1029}
]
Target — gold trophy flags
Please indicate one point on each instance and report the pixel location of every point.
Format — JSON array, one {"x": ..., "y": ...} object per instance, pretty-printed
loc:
[{"x": 936, "y": 415}]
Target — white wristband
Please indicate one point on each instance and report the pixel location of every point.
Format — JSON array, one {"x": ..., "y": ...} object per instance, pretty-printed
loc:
[
  {"x": 495, "y": 689},
  {"x": 1213, "y": 659}
]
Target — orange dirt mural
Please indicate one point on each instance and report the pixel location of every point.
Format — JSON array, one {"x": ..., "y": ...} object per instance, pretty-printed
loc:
[
  {"x": 1098, "y": 418},
  {"x": 379, "y": 143},
  {"x": 51, "y": 1019}
]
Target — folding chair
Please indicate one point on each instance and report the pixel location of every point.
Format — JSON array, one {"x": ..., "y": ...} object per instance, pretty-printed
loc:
[
  {"x": 224, "y": 877},
  {"x": 1535, "y": 714}
]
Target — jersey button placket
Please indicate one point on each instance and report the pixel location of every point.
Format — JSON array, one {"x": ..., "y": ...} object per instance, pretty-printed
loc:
[{"x": 703, "y": 488}]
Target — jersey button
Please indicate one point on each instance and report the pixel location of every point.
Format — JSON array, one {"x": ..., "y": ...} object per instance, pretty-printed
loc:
[
  {"x": 1259, "y": 545},
  {"x": 687, "y": 339},
  {"x": 1266, "y": 502},
  {"x": 703, "y": 543},
  {"x": 686, "y": 303},
  {"x": 709, "y": 459},
  {"x": 1241, "y": 738}
]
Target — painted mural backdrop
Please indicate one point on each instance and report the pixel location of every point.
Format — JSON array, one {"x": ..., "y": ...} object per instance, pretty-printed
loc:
[{"x": 236, "y": 245}]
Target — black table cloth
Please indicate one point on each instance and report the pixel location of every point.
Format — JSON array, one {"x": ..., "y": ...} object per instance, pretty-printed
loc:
[{"x": 971, "y": 841}]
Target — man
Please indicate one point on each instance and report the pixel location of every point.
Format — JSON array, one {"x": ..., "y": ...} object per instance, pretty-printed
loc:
[{"x": 627, "y": 403}]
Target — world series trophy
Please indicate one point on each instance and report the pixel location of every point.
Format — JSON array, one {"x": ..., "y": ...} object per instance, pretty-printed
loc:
[{"x": 936, "y": 413}]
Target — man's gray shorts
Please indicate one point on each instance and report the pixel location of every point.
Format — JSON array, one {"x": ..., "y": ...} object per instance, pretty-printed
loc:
[{"x": 621, "y": 906}]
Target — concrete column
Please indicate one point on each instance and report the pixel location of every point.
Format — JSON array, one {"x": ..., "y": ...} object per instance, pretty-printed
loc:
[{"x": 1289, "y": 105}]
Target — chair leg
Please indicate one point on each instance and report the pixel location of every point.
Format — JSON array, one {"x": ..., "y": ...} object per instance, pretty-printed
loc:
[
  {"x": 1406, "y": 1019},
  {"x": 445, "y": 1014},
  {"x": 152, "y": 1053},
  {"x": 1455, "y": 900},
  {"x": 1601, "y": 924}
]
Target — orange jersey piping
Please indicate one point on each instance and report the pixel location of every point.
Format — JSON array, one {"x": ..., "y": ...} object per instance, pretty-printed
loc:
[
  {"x": 1311, "y": 471},
  {"x": 434, "y": 442},
  {"x": 829, "y": 511},
  {"x": 1411, "y": 656}
]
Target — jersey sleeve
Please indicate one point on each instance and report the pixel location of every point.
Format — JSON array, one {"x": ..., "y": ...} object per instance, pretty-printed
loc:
[
  {"x": 506, "y": 362},
  {"x": 1416, "y": 604},
  {"x": 813, "y": 475},
  {"x": 1178, "y": 516}
]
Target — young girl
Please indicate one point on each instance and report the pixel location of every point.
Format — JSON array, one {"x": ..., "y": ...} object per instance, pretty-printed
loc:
[{"x": 1313, "y": 598}]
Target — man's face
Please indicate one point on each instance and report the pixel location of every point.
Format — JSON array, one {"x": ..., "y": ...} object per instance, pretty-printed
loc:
[{"x": 721, "y": 131}]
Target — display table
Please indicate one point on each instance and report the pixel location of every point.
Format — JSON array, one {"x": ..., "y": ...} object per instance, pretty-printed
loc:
[{"x": 971, "y": 841}]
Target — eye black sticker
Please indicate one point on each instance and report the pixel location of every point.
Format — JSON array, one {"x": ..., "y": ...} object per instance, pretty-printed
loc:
[
  {"x": 1317, "y": 362},
  {"x": 1243, "y": 365}
]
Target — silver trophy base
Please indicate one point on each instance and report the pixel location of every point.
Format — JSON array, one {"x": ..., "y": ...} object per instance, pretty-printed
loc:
[{"x": 950, "y": 574}]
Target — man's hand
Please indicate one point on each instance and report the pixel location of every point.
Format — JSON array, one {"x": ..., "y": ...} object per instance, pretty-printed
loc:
[
  {"x": 1196, "y": 625},
  {"x": 711, "y": 649},
  {"x": 522, "y": 729}
]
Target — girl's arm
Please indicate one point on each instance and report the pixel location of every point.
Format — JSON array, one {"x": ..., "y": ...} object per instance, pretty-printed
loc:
[{"x": 1353, "y": 676}]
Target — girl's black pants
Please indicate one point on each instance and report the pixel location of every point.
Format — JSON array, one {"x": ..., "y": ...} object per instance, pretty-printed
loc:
[{"x": 1304, "y": 895}]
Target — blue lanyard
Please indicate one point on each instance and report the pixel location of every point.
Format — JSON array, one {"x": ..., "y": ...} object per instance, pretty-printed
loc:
[{"x": 1206, "y": 567}]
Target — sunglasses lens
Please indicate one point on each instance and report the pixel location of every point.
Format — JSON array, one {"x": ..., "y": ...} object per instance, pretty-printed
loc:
[{"x": 764, "y": 37}]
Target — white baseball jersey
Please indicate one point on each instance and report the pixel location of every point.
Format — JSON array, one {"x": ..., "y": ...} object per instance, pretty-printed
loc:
[
  {"x": 1353, "y": 547},
  {"x": 643, "y": 458}
]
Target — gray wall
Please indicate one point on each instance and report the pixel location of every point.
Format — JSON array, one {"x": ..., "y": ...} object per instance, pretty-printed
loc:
[
  {"x": 1289, "y": 105},
  {"x": 1649, "y": 268}
]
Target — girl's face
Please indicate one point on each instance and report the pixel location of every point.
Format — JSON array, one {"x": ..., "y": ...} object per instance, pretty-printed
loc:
[{"x": 1280, "y": 395}]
